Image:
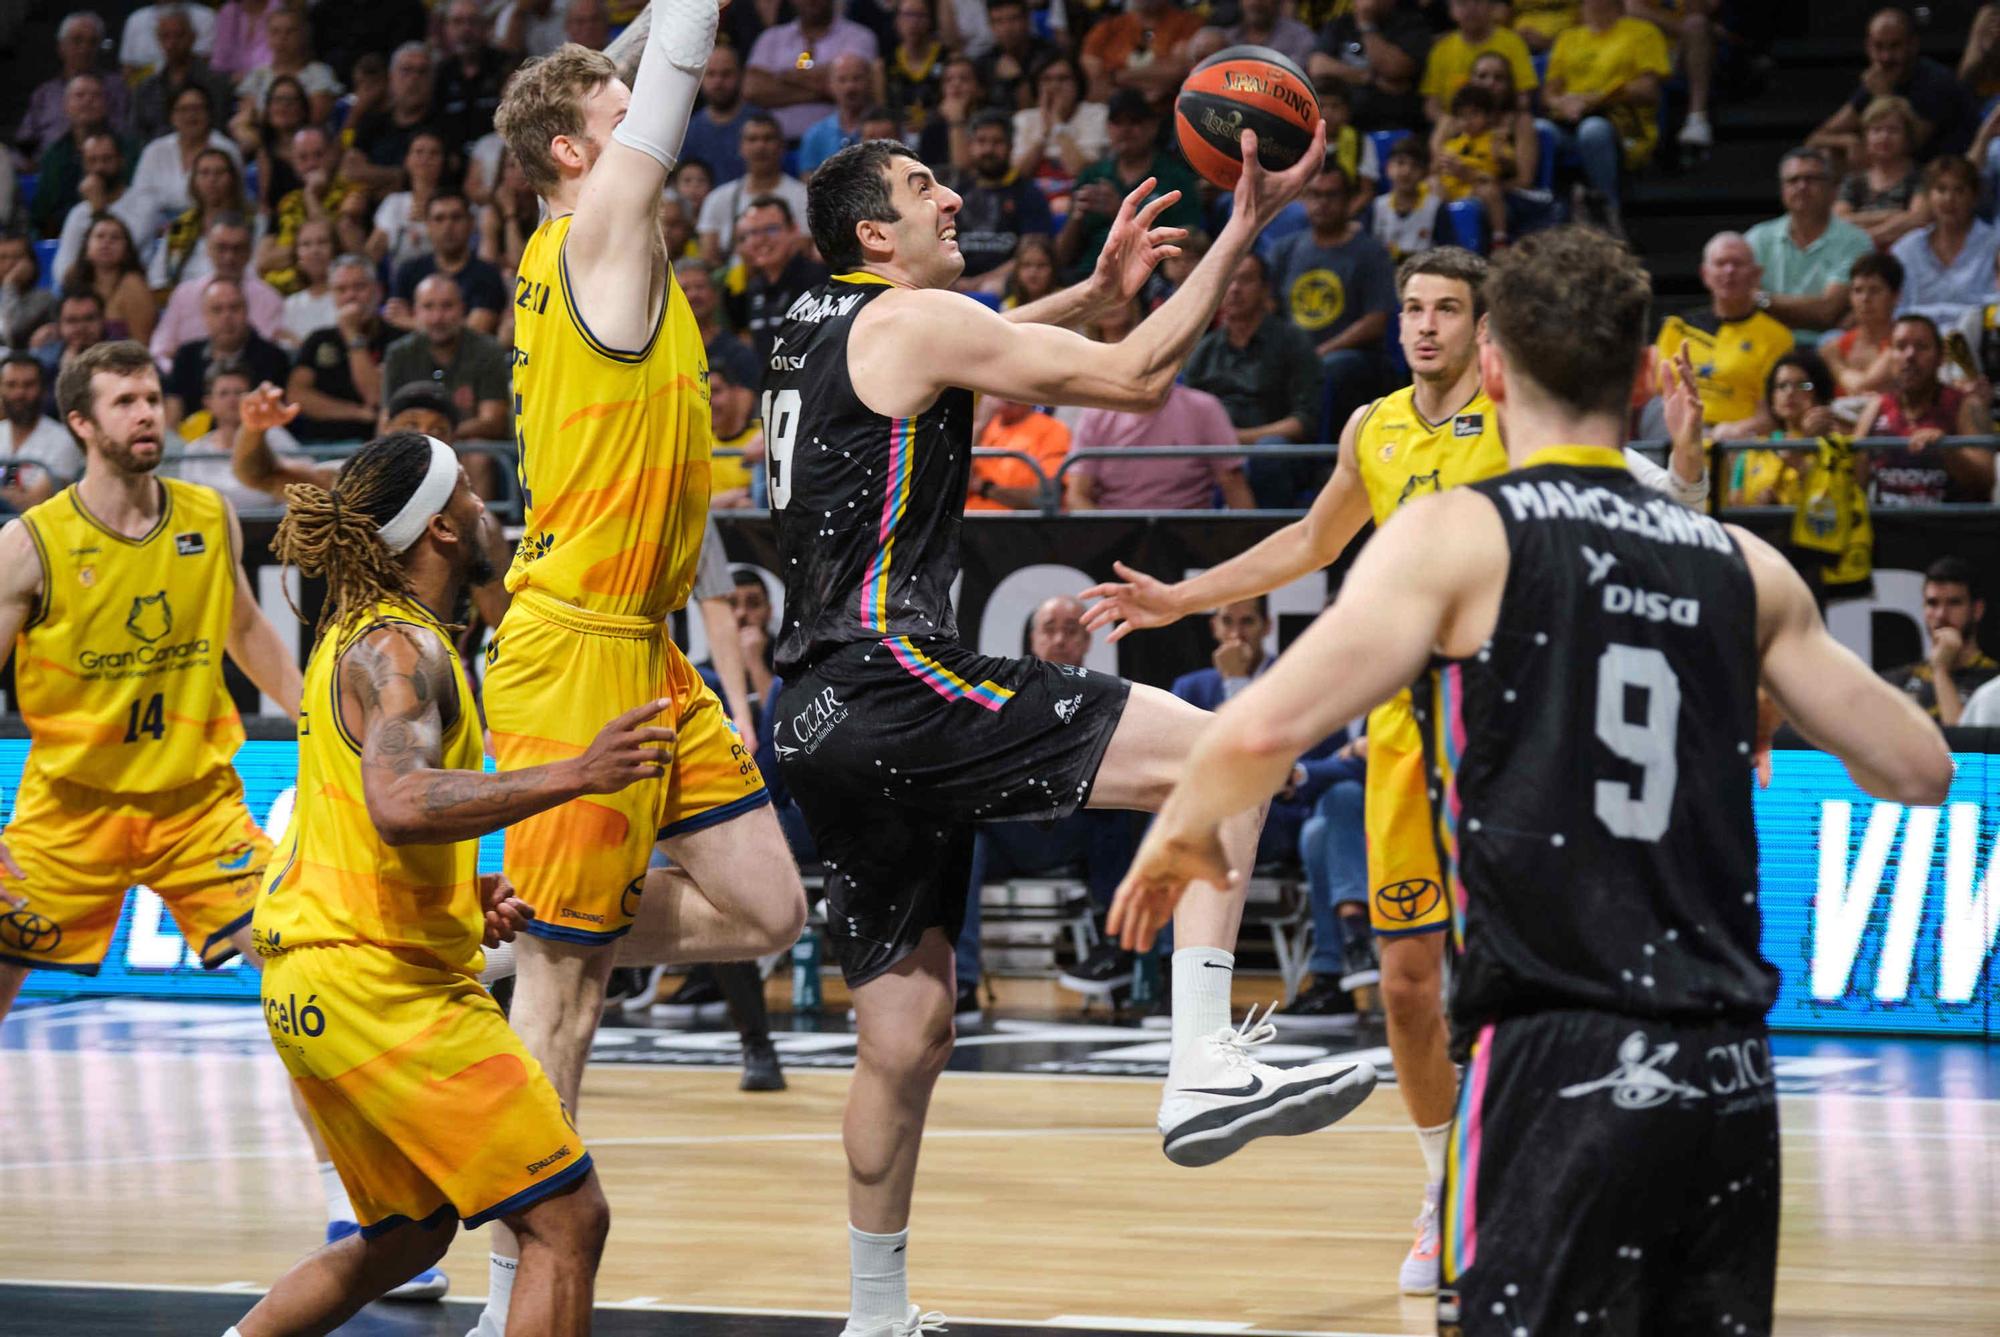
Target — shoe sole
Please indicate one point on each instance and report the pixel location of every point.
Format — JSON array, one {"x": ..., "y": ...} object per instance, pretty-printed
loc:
[
  {"x": 689, "y": 1011},
  {"x": 1305, "y": 1111},
  {"x": 430, "y": 1290},
  {"x": 1077, "y": 984},
  {"x": 750, "y": 1083},
  {"x": 1341, "y": 1021},
  {"x": 1407, "y": 1289}
]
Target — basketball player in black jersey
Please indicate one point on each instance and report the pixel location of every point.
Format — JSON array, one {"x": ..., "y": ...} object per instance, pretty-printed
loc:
[
  {"x": 894, "y": 738},
  {"x": 1590, "y": 716}
]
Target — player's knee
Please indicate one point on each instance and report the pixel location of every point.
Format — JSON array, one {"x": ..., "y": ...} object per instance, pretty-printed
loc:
[
  {"x": 593, "y": 1219},
  {"x": 916, "y": 1051},
  {"x": 781, "y": 918},
  {"x": 1411, "y": 980},
  {"x": 575, "y": 1223}
]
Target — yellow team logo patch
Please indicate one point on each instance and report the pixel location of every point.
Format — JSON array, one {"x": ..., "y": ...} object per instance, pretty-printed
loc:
[
  {"x": 150, "y": 618},
  {"x": 86, "y": 576},
  {"x": 1318, "y": 299}
]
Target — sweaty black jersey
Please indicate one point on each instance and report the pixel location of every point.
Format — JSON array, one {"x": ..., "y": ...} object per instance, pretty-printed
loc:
[
  {"x": 1591, "y": 763},
  {"x": 868, "y": 508}
]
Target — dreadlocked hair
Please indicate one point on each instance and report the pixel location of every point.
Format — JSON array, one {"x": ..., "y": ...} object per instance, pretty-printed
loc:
[{"x": 331, "y": 534}]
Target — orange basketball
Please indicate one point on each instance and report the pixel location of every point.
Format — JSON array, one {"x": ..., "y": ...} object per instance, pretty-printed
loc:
[{"x": 1244, "y": 88}]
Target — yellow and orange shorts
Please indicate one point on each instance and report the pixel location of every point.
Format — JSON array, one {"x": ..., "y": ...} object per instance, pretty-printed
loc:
[
  {"x": 555, "y": 676},
  {"x": 1405, "y": 884},
  {"x": 432, "y": 1108},
  {"x": 82, "y": 849}
]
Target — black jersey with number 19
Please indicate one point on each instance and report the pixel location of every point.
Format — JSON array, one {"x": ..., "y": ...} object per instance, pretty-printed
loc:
[
  {"x": 868, "y": 507},
  {"x": 1592, "y": 761}
]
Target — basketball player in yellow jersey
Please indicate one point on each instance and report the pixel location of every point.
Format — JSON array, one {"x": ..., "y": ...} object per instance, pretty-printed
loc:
[
  {"x": 371, "y": 928},
  {"x": 1439, "y": 432},
  {"x": 612, "y": 425},
  {"x": 120, "y": 596}
]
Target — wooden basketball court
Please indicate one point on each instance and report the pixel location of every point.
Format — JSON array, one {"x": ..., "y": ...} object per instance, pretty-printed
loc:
[{"x": 152, "y": 1146}]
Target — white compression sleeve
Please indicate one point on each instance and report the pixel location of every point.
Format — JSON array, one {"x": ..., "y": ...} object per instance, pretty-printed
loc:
[{"x": 669, "y": 77}]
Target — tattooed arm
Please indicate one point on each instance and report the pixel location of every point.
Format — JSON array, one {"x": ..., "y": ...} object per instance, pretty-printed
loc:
[{"x": 395, "y": 684}]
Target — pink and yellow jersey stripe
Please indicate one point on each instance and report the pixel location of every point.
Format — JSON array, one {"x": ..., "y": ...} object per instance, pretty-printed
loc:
[
  {"x": 895, "y": 502},
  {"x": 942, "y": 680},
  {"x": 1461, "y": 1223},
  {"x": 1447, "y": 747}
]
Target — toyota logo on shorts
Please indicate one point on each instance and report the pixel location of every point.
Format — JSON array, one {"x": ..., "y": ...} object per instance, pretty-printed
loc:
[
  {"x": 1408, "y": 901},
  {"x": 26, "y": 931}
]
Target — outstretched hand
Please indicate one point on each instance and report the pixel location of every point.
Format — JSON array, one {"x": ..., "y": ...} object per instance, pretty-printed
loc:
[
  {"x": 1159, "y": 876},
  {"x": 1680, "y": 396},
  {"x": 1135, "y": 246},
  {"x": 627, "y": 751},
  {"x": 1136, "y": 602},
  {"x": 1261, "y": 194},
  {"x": 265, "y": 408}
]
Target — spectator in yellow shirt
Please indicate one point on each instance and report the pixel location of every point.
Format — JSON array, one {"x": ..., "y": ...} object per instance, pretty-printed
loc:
[
  {"x": 1603, "y": 93},
  {"x": 1733, "y": 344},
  {"x": 1479, "y": 31},
  {"x": 1478, "y": 156},
  {"x": 1539, "y": 21},
  {"x": 1691, "y": 24}
]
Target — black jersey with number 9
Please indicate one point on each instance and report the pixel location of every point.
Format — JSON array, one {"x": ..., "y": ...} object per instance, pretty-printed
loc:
[
  {"x": 868, "y": 508},
  {"x": 1591, "y": 763}
]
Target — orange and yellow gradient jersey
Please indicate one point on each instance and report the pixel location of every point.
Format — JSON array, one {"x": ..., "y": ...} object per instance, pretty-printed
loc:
[
  {"x": 614, "y": 447},
  {"x": 338, "y": 881},
  {"x": 119, "y": 671},
  {"x": 1402, "y": 455}
]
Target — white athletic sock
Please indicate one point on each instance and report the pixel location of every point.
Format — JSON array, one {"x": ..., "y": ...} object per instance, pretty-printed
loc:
[
  {"x": 1202, "y": 976},
  {"x": 879, "y": 1281},
  {"x": 499, "y": 964},
  {"x": 338, "y": 1208},
  {"x": 232, "y": 1333},
  {"x": 1433, "y": 1140},
  {"x": 499, "y": 1289}
]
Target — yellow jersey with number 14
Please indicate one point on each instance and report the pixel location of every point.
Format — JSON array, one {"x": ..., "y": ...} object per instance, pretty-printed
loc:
[
  {"x": 119, "y": 671},
  {"x": 1401, "y": 455},
  {"x": 613, "y": 445},
  {"x": 339, "y": 882}
]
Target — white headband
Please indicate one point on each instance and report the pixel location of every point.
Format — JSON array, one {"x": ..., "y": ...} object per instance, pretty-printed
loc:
[{"x": 407, "y": 525}]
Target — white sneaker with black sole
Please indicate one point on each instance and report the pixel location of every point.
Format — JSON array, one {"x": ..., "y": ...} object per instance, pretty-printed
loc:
[
  {"x": 1227, "y": 1098},
  {"x": 919, "y": 1321}
]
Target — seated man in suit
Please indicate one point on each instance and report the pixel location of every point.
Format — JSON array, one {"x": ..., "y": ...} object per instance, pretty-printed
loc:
[
  {"x": 1100, "y": 841},
  {"x": 1316, "y": 820}
]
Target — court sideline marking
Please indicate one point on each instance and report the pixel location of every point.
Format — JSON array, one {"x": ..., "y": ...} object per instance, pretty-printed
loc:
[
  {"x": 1100, "y": 1322},
  {"x": 942, "y": 1135}
]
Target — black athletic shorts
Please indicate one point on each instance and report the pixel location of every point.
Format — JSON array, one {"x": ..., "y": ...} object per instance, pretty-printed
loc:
[
  {"x": 894, "y": 749},
  {"x": 1612, "y": 1175}
]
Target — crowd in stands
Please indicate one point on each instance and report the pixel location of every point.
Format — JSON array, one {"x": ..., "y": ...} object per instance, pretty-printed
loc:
[{"x": 320, "y": 202}]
